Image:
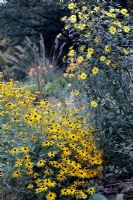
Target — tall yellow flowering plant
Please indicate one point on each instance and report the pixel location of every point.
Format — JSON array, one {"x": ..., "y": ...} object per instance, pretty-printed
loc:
[{"x": 100, "y": 61}]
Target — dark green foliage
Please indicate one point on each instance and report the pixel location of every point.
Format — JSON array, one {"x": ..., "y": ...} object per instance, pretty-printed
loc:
[{"x": 31, "y": 18}]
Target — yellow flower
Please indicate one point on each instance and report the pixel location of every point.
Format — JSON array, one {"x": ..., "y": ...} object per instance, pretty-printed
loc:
[
  {"x": 82, "y": 48},
  {"x": 10, "y": 105},
  {"x": 80, "y": 14},
  {"x": 112, "y": 30},
  {"x": 26, "y": 158},
  {"x": 16, "y": 174},
  {"x": 29, "y": 165},
  {"x": 95, "y": 70},
  {"x": 75, "y": 93},
  {"x": 19, "y": 163},
  {"x": 41, "y": 163},
  {"x": 117, "y": 23},
  {"x": 126, "y": 29},
  {"x": 64, "y": 192},
  {"x": 107, "y": 48},
  {"x": 38, "y": 181},
  {"x": 30, "y": 186},
  {"x": 102, "y": 58},
  {"x": 29, "y": 172},
  {"x": 80, "y": 59},
  {"x": 48, "y": 172},
  {"x": 107, "y": 61},
  {"x": 93, "y": 104},
  {"x": 51, "y": 196},
  {"x": 126, "y": 51},
  {"x": 90, "y": 50},
  {"x": 71, "y": 53},
  {"x": 82, "y": 195},
  {"x": 89, "y": 55},
  {"x": 46, "y": 144},
  {"x": 113, "y": 15},
  {"x": 96, "y": 8},
  {"x": 73, "y": 18},
  {"x": 14, "y": 150},
  {"x": 71, "y": 6},
  {"x": 91, "y": 190},
  {"x": 84, "y": 8},
  {"x": 52, "y": 153},
  {"x": 25, "y": 149},
  {"x": 83, "y": 76},
  {"x": 43, "y": 188},
  {"x": 108, "y": 14},
  {"x": 124, "y": 12},
  {"x": 49, "y": 183},
  {"x": 38, "y": 190},
  {"x": 81, "y": 26}
]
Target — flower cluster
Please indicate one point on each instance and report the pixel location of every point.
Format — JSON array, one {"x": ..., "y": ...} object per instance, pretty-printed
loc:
[{"x": 50, "y": 149}]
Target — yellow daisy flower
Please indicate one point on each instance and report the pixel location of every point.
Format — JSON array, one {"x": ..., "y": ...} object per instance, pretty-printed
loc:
[
  {"x": 126, "y": 29},
  {"x": 95, "y": 70},
  {"x": 71, "y": 6},
  {"x": 51, "y": 196},
  {"x": 102, "y": 58},
  {"x": 41, "y": 163},
  {"x": 14, "y": 150},
  {"x": 73, "y": 18},
  {"x": 107, "y": 48},
  {"x": 91, "y": 190},
  {"x": 30, "y": 186},
  {"x": 93, "y": 104},
  {"x": 80, "y": 59},
  {"x": 83, "y": 76},
  {"x": 112, "y": 30},
  {"x": 25, "y": 149},
  {"x": 16, "y": 174}
]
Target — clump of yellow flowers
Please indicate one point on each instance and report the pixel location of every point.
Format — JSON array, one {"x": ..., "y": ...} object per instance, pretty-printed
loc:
[{"x": 50, "y": 149}]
